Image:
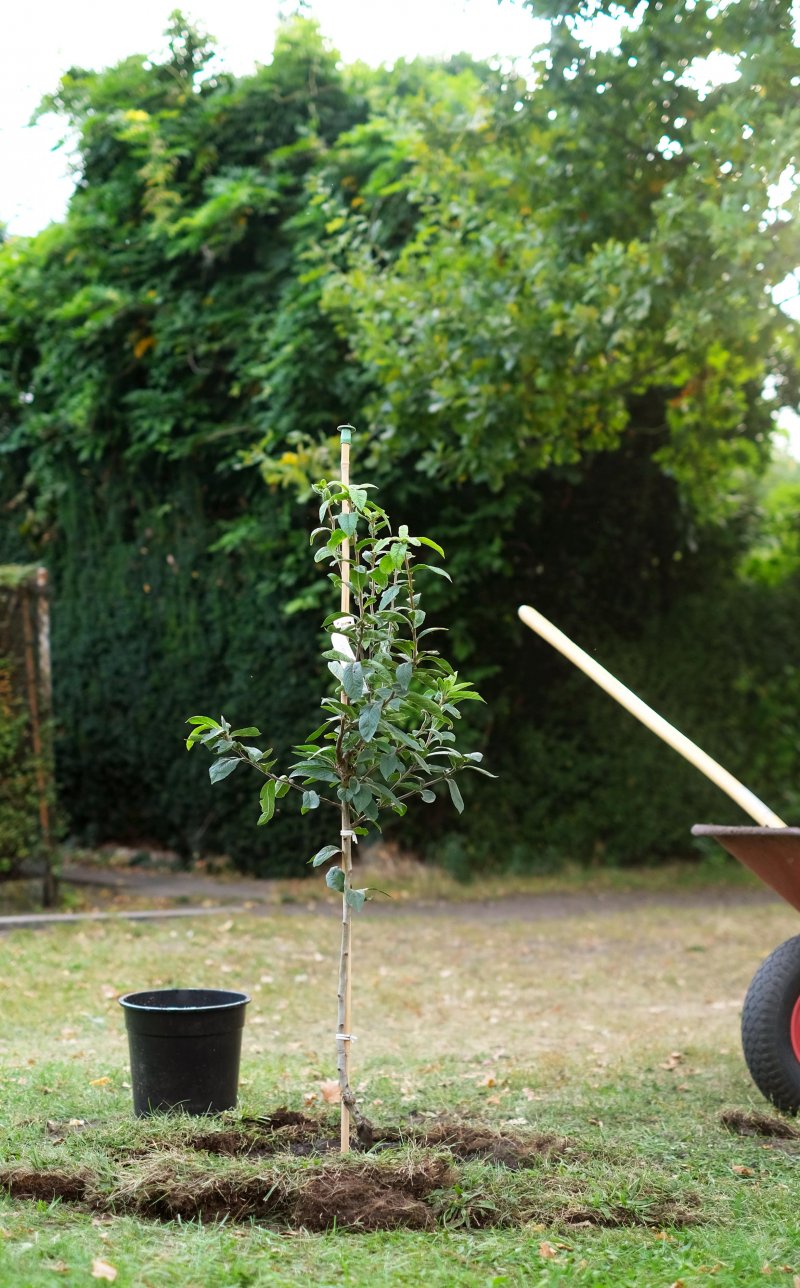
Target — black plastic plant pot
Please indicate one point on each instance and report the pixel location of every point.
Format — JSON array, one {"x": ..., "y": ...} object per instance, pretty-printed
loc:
[{"x": 185, "y": 1045}]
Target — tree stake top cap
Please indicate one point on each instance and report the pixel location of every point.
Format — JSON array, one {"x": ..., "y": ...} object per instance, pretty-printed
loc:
[{"x": 347, "y": 432}]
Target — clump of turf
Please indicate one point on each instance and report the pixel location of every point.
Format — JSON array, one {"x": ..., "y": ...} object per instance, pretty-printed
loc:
[{"x": 751, "y": 1123}]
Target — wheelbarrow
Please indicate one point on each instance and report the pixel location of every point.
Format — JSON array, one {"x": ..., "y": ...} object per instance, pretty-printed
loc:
[{"x": 771, "y": 1012}]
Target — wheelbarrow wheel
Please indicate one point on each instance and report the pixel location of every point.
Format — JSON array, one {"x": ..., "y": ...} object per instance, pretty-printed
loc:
[{"x": 771, "y": 1027}]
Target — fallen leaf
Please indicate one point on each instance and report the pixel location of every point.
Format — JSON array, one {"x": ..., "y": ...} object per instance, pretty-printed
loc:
[
  {"x": 331, "y": 1091},
  {"x": 547, "y": 1251},
  {"x": 103, "y": 1270},
  {"x": 309, "y": 1097},
  {"x": 489, "y": 1081},
  {"x": 493, "y": 1100},
  {"x": 99, "y": 1082},
  {"x": 741, "y": 1170},
  {"x": 109, "y": 991},
  {"x": 58, "y": 1267},
  {"x": 673, "y": 1060}
]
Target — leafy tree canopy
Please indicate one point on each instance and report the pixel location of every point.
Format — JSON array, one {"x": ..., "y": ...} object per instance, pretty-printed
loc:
[{"x": 593, "y": 256}]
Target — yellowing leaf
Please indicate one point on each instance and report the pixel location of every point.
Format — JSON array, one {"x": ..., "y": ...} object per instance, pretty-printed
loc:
[
  {"x": 141, "y": 346},
  {"x": 103, "y": 1270},
  {"x": 99, "y": 1082},
  {"x": 331, "y": 1091}
]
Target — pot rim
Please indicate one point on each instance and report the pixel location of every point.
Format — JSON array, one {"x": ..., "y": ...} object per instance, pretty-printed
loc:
[{"x": 233, "y": 997}]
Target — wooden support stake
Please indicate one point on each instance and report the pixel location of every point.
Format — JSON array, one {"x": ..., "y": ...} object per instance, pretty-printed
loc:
[
  {"x": 343, "y": 1028},
  {"x": 744, "y": 798}
]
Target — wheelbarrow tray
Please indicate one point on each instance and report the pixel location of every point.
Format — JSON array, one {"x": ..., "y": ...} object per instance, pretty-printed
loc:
[{"x": 773, "y": 853}]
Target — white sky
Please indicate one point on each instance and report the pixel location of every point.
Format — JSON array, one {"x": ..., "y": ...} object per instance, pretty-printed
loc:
[{"x": 50, "y": 36}]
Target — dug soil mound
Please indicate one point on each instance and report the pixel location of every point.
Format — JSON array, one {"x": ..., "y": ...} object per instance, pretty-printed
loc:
[
  {"x": 301, "y": 1134},
  {"x": 285, "y": 1171}
]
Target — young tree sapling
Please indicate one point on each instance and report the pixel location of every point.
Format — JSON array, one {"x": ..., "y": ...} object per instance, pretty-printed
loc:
[{"x": 387, "y": 735}]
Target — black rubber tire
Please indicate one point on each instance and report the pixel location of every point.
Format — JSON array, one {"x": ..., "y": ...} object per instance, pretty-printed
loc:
[{"x": 766, "y": 1027}]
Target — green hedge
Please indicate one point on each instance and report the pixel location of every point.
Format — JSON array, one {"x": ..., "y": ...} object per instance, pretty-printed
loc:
[
  {"x": 582, "y": 780},
  {"x": 149, "y": 628}
]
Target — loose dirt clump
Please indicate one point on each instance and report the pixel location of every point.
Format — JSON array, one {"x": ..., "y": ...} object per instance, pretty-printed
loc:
[
  {"x": 25, "y": 1183},
  {"x": 371, "y": 1197},
  {"x": 745, "y": 1123},
  {"x": 299, "y": 1138},
  {"x": 513, "y": 1151}
]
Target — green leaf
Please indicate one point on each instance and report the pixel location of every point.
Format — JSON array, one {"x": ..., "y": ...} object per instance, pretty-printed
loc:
[
  {"x": 281, "y": 788},
  {"x": 353, "y": 681},
  {"x": 369, "y": 720},
  {"x": 267, "y": 799},
  {"x": 348, "y": 524},
  {"x": 440, "y": 572},
  {"x": 310, "y": 801},
  {"x": 358, "y": 496},
  {"x": 389, "y": 596},
  {"x": 246, "y": 733},
  {"x": 404, "y": 673},
  {"x": 363, "y": 798},
  {"x": 355, "y": 898},
  {"x": 426, "y": 541},
  {"x": 221, "y": 768},
  {"x": 322, "y": 856},
  {"x": 389, "y": 764},
  {"x": 334, "y": 879},
  {"x": 428, "y": 796},
  {"x": 455, "y": 795}
]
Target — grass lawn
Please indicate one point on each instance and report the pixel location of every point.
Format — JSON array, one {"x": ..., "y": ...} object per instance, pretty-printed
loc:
[{"x": 616, "y": 1031}]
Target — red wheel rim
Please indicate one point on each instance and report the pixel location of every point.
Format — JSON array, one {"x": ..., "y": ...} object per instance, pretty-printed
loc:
[{"x": 794, "y": 1029}]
